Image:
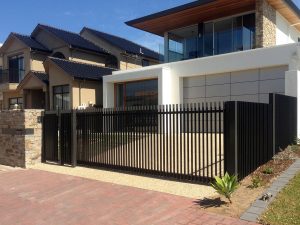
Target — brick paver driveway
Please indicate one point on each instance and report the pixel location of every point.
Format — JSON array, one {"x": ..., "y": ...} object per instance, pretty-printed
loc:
[{"x": 35, "y": 197}]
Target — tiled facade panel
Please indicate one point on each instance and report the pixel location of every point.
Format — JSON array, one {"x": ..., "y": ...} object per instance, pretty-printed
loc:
[
  {"x": 217, "y": 90},
  {"x": 251, "y": 86}
]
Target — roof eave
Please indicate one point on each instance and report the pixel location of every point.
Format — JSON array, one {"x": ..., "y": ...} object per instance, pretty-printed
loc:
[{"x": 168, "y": 12}]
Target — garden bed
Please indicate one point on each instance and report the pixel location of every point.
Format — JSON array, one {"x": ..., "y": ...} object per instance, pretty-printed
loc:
[{"x": 253, "y": 186}]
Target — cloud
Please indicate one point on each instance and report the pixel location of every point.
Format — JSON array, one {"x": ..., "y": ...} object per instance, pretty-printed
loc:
[{"x": 68, "y": 13}]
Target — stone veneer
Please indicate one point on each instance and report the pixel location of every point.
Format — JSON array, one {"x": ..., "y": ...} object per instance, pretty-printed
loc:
[
  {"x": 20, "y": 137},
  {"x": 265, "y": 24}
]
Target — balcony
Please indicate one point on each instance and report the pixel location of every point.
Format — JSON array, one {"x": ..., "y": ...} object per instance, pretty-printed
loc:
[
  {"x": 11, "y": 75},
  {"x": 211, "y": 38}
]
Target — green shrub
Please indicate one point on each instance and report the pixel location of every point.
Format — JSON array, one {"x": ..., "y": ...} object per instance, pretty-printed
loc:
[
  {"x": 256, "y": 182},
  {"x": 268, "y": 170},
  {"x": 226, "y": 185}
]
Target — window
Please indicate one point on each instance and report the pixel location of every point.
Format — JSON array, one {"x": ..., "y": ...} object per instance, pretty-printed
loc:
[
  {"x": 137, "y": 93},
  {"x": 212, "y": 38},
  {"x": 61, "y": 97},
  {"x": 16, "y": 103},
  {"x": 145, "y": 62},
  {"x": 16, "y": 68},
  {"x": 59, "y": 55}
]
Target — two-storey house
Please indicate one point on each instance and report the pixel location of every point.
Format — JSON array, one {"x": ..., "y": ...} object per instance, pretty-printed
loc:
[
  {"x": 33, "y": 77},
  {"x": 215, "y": 50}
]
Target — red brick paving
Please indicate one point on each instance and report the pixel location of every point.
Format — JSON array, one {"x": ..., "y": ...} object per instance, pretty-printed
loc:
[{"x": 36, "y": 198}]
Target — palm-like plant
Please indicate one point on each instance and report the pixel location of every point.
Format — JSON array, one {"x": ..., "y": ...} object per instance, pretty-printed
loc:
[{"x": 226, "y": 185}]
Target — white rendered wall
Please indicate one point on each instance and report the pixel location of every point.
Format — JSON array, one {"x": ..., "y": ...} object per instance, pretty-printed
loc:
[
  {"x": 285, "y": 33},
  {"x": 247, "y": 76}
]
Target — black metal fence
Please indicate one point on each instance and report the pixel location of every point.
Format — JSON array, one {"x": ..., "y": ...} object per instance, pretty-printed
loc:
[
  {"x": 192, "y": 142},
  {"x": 255, "y": 132},
  {"x": 178, "y": 141}
]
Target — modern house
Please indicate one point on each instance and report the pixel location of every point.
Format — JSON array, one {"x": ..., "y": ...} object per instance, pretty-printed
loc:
[
  {"x": 30, "y": 75},
  {"x": 215, "y": 50}
]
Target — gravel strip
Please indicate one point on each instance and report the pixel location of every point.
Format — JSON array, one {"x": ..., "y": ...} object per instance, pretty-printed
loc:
[{"x": 194, "y": 191}]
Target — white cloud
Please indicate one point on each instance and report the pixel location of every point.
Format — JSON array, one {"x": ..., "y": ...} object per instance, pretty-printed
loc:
[{"x": 68, "y": 13}]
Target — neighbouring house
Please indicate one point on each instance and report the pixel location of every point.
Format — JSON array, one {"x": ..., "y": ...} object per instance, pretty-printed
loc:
[
  {"x": 129, "y": 55},
  {"x": 24, "y": 81},
  {"x": 215, "y": 50},
  {"x": 20, "y": 55},
  {"x": 73, "y": 84}
]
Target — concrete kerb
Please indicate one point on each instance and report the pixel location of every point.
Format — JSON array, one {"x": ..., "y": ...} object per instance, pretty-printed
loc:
[{"x": 257, "y": 208}]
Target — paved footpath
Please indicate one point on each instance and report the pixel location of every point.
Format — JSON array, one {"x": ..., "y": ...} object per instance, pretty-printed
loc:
[{"x": 33, "y": 197}]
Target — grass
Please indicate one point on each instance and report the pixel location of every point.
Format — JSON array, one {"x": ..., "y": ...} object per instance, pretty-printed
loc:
[{"x": 286, "y": 207}]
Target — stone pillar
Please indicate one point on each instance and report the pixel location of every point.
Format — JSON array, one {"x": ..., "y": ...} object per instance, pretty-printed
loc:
[
  {"x": 265, "y": 24},
  {"x": 20, "y": 137}
]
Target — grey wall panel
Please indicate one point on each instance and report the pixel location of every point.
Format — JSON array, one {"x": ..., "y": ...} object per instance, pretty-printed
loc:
[
  {"x": 194, "y": 92},
  {"x": 223, "y": 78},
  {"x": 245, "y": 88},
  {"x": 273, "y": 73},
  {"x": 271, "y": 86},
  {"x": 251, "y": 85},
  {"x": 218, "y": 90},
  {"x": 244, "y": 76},
  {"x": 194, "y": 81},
  {"x": 246, "y": 98}
]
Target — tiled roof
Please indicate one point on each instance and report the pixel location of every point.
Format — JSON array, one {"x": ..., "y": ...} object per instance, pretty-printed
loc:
[
  {"x": 82, "y": 70},
  {"x": 73, "y": 39},
  {"x": 41, "y": 76},
  {"x": 30, "y": 42},
  {"x": 124, "y": 44}
]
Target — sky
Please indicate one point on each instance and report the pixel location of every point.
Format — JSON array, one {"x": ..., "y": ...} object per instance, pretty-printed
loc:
[{"x": 104, "y": 15}]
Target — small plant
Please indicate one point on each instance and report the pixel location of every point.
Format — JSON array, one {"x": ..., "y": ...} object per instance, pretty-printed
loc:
[
  {"x": 268, "y": 170},
  {"x": 256, "y": 182},
  {"x": 226, "y": 185}
]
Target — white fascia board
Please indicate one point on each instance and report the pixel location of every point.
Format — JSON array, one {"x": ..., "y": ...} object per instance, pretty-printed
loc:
[
  {"x": 238, "y": 61},
  {"x": 235, "y": 61},
  {"x": 133, "y": 75}
]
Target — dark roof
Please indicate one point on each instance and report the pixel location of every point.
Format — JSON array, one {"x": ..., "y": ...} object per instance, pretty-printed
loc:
[
  {"x": 169, "y": 11},
  {"x": 124, "y": 44},
  {"x": 82, "y": 70},
  {"x": 41, "y": 76},
  {"x": 73, "y": 39},
  {"x": 30, "y": 42}
]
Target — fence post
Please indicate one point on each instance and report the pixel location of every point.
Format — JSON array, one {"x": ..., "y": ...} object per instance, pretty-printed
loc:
[
  {"x": 59, "y": 137},
  {"x": 273, "y": 123},
  {"x": 43, "y": 159},
  {"x": 231, "y": 137},
  {"x": 74, "y": 138}
]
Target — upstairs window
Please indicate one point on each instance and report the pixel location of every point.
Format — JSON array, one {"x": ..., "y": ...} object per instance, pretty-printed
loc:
[
  {"x": 212, "y": 38},
  {"x": 16, "y": 68}
]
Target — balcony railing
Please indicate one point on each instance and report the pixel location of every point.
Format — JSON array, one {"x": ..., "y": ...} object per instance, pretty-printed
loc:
[{"x": 11, "y": 75}]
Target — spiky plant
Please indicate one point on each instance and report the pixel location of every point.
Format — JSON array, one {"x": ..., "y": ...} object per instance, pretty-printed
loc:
[{"x": 226, "y": 185}]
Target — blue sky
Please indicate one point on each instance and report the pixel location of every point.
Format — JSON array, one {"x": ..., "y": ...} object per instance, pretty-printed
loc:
[{"x": 105, "y": 15}]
